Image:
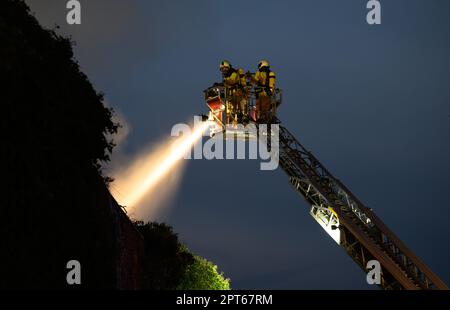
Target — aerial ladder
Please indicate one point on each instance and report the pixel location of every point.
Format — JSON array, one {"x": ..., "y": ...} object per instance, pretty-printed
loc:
[{"x": 355, "y": 227}]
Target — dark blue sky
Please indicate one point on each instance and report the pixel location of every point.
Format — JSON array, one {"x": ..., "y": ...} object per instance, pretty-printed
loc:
[{"x": 371, "y": 102}]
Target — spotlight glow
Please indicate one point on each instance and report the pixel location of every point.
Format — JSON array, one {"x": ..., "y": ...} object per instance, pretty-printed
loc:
[{"x": 145, "y": 175}]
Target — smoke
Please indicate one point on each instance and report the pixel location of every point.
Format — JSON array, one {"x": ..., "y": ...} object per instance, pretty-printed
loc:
[{"x": 146, "y": 182}]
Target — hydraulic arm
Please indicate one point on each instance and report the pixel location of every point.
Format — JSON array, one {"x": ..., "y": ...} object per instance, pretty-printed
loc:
[{"x": 353, "y": 226}]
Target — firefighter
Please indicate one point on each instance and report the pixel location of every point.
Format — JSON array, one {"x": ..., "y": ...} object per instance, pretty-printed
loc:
[
  {"x": 243, "y": 102},
  {"x": 264, "y": 81},
  {"x": 235, "y": 83}
]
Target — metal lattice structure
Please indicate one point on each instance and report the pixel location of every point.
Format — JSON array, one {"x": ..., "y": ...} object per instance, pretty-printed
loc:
[{"x": 354, "y": 227}]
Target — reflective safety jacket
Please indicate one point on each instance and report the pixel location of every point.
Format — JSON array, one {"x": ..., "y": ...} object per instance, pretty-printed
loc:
[
  {"x": 242, "y": 79},
  {"x": 265, "y": 78},
  {"x": 234, "y": 78}
]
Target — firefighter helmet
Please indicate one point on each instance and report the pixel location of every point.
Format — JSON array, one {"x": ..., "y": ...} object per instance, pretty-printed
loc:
[
  {"x": 263, "y": 63},
  {"x": 225, "y": 65}
]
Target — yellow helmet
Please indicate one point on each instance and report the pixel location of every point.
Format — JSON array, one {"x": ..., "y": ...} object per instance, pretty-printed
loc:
[
  {"x": 225, "y": 65},
  {"x": 263, "y": 63}
]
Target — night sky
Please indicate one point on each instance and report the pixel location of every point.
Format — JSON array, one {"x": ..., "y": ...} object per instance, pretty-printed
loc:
[{"x": 371, "y": 102}]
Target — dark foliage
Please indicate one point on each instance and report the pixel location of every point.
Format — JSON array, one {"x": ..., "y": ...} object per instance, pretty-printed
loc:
[
  {"x": 54, "y": 128},
  {"x": 165, "y": 259}
]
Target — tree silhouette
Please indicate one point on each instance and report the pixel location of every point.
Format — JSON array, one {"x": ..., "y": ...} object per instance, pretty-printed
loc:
[
  {"x": 164, "y": 261},
  {"x": 168, "y": 264},
  {"x": 55, "y": 205},
  {"x": 54, "y": 129}
]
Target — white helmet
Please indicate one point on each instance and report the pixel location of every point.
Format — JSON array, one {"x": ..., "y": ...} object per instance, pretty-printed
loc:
[{"x": 263, "y": 63}]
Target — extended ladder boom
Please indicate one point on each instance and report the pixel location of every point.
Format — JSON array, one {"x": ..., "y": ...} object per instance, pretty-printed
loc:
[{"x": 353, "y": 226}]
